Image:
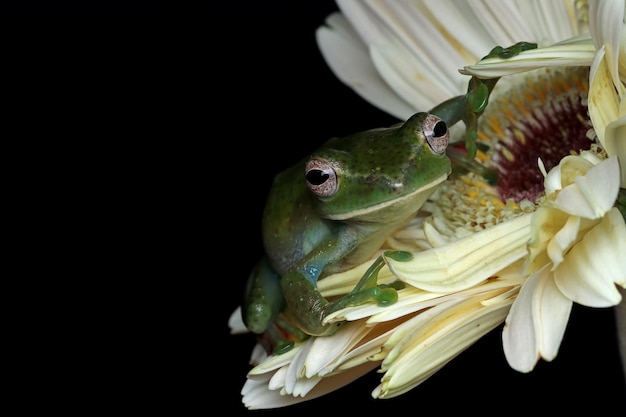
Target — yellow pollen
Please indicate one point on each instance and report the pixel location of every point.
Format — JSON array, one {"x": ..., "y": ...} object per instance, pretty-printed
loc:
[
  {"x": 494, "y": 124},
  {"x": 507, "y": 154},
  {"x": 528, "y": 96},
  {"x": 522, "y": 107},
  {"x": 508, "y": 113},
  {"x": 497, "y": 202},
  {"x": 519, "y": 135},
  {"x": 540, "y": 94},
  {"x": 481, "y": 156},
  {"x": 580, "y": 86}
]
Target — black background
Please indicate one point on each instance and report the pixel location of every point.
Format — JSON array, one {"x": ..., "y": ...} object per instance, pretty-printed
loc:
[{"x": 208, "y": 102}]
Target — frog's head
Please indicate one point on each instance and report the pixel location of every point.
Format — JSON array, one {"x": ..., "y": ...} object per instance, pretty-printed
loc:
[{"x": 381, "y": 170}]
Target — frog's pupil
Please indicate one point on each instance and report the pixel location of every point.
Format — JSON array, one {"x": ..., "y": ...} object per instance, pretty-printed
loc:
[
  {"x": 440, "y": 129},
  {"x": 316, "y": 176}
]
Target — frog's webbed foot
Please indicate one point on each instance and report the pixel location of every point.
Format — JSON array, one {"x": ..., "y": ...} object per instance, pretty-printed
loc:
[
  {"x": 309, "y": 309},
  {"x": 369, "y": 291}
]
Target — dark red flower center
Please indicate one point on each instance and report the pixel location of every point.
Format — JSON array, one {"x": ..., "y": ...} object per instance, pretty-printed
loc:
[{"x": 545, "y": 118}]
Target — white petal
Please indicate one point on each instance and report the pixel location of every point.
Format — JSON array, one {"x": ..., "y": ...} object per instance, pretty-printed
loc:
[
  {"x": 463, "y": 25},
  {"x": 235, "y": 322},
  {"x": 554, "y": 20},
  {"x": 257, "y": 396},
  {"x": 326, "y": 351},
  {"x": 594, "y": 266},
  {"x": 553, "y": 310},
  {"x": 503, "y": 21},
  {"x": 410, "y": 80},
  {"x": 436, "y": 58},
  {"x": 422, "y": 73},
  {"x": 348, "y": 58},
  {"x": 366, "y": 19},
  {"x": 592, "y": 195}
]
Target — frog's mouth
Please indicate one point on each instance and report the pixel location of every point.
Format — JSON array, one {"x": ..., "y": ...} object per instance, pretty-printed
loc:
[{"x": 396, "y": 201}]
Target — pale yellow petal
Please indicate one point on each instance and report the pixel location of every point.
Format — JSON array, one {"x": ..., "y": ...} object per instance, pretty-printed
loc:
[
  {"x": 552, "y": 179},
  {"x": 467, "y": 261},
  {"x": 593, "y": 194},
  {"x": 342, "y": 283},
  {"x": 579, "y": 53},
  {"x": 433, "y": 344},
  {"x": 412, "y": 300},
  {"x": 593, "y": 267},
  {"x": 546, "y": 223},
  {"x": 366, "y": 351},
  {"x": 274, "y": 362},
  {"x": 603, "y": 99},
  {"x": 606, "y": 25},
  {"x": 569, "y": 168},
  {"x": 295, "y": 382},
  {"x": 519, "y": 339},
  {"x": 553, "y": 310},
  {"x": 615, "y": 143},
  {"x": 563, "y": 240}
]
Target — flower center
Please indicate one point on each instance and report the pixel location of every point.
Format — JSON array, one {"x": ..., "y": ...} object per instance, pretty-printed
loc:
[{"x": 544, "y": 116}]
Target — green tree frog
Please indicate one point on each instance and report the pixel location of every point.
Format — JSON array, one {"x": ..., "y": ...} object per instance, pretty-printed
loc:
[{"x": 333, "y": 211}]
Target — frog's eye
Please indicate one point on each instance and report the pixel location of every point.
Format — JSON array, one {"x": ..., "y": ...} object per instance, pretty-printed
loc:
[
  {"x": 436, "y": 133},
  {"x": 321, "y": 178}
]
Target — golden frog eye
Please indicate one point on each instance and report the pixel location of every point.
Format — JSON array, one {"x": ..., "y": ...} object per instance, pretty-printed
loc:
[
  {"x": 436, "y": 133},
  {"x": 321, "y": 178}
]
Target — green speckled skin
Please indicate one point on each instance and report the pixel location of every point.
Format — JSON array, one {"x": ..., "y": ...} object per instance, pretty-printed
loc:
[{"x": 384, "y": 176}]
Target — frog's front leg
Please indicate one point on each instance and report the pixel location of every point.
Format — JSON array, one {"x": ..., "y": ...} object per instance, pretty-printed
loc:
[
  {"x": 308, "y": 308},
  {"x": 470, "y": 106}
]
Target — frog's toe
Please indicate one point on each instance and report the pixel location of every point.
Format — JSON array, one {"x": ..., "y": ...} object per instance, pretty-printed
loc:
[
  {"x": 386, "y": 296},
  {"x": 381, "y": 295}
]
